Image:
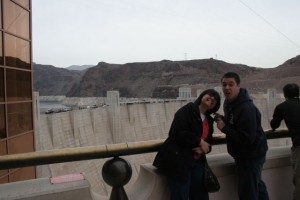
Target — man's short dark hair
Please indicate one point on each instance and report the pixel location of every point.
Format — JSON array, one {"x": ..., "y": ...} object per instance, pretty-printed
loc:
[
  {"x": 233, "y": 75},
  {"x": 291, "y": 90}
]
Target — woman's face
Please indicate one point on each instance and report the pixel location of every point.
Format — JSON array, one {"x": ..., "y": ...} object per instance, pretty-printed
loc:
[{"x": 208, "y": 101}]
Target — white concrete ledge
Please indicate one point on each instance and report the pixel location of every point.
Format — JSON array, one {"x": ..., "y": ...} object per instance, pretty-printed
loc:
[
  {"x": 42, "y": 189},
  {"x": 149, "y": 185},
  {"x": 277, "y": 174}
]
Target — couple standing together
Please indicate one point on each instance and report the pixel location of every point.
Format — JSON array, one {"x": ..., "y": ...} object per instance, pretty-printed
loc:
[{"x": 181, "y": 157}]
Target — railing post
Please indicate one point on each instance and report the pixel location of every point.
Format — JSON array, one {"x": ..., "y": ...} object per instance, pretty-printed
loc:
[{"x": 117, "y": 172}]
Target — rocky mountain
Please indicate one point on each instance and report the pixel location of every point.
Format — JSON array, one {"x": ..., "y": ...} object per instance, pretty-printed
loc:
[
  {"x": 142, "y": 79},
  {"x": 53, "y": 81},
  {"x": 277, "y": 77},
  {"x": 159, "y": 79}
]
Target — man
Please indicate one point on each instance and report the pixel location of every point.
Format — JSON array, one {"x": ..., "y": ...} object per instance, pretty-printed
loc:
[
  {"x": 289, "y": 111},
  {"x": 246, "y": 140}
]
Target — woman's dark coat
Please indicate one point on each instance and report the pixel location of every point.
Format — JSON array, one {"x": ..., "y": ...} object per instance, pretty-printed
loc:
[{"x": 175, "y": 157}]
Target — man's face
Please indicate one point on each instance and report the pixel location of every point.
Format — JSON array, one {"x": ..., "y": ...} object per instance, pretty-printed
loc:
[{"x": 230, "y": 88}]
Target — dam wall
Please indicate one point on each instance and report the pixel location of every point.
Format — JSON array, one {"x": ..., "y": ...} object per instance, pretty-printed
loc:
[{"x": 98, "y": 126}]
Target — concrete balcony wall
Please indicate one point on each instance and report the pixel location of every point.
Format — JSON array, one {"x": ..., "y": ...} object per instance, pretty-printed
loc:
[
  {"x": 42, "y": 189},
  {"x": 277, "y": 174}
]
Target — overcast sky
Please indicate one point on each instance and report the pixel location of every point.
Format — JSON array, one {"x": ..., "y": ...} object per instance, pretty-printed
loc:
[{"x": 259, "y": 33}]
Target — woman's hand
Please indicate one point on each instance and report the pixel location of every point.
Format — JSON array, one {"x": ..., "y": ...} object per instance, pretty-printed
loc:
[
  {"x": 205, "y": 147},
  {"x": 198, "y": 150}
]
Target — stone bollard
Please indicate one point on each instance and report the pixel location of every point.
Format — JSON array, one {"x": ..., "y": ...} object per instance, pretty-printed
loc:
[{"x": 117, "y": 172}]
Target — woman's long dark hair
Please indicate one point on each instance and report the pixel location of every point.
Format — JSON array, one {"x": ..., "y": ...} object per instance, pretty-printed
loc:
[{"x": 212, "y": 93}]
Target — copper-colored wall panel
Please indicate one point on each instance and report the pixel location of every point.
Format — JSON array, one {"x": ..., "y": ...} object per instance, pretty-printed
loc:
[
  {"x": 25, "y": 3},
  {"x": 18, "y": 85},
  {"x": 20, "y": 118},
  {"x": 2, "y": 125},
  {"x": 0, "y": 14},
  {"x": 16, "y": 19},
  {"x": 22, "y": 174},
  {"x": 3, "y": 172},
  {"x": 21, "y": 144},
  {"x": 17, "y": 52},
  {"x": 1, "y": 84},
  {"x": 3, "y": 151},
  {"x": 4, "y": 180},
  {"x": 3, "y": 148},
  {"x": 16, "y": 114},
  {"x": 1, "y": 44}
]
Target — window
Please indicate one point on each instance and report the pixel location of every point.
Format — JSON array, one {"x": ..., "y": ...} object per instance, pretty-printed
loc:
[
  {"x": 3, "y": 151},
  {"x": 27, "y": 141},
  {"x": 16, "y": 19},
  {"x": 20, "y": 118},
  {"x": 1, "y": 84},
  {"x": 18, "y": 85},
  {"x": 17, "y": 52},
  {"x": 2, "y": 123},
  {"x": 0, "y": 14},
  {"x": 1, "y": 45},
  {"x": 16, "y": 104},
  {"x": 25, "y": 3}
]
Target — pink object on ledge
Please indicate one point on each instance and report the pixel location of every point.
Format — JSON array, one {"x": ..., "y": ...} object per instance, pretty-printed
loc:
[{"x": 66, "y": 178}]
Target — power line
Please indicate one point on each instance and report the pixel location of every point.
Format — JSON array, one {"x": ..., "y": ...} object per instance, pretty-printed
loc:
[{"x": 275, "y": 28}]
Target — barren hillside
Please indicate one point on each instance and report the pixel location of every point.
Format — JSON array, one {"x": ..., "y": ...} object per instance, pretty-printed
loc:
[{"x": 159, "y": 79}]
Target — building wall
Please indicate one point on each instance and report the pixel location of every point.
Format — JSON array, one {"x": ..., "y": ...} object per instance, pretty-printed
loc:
[{"x": 16, "y": 104}]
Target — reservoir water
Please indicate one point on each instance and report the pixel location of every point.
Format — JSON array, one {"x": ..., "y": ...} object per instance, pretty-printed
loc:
[
  {"x": 51, "y": 104},
  {"x": 48, "y": 107}
]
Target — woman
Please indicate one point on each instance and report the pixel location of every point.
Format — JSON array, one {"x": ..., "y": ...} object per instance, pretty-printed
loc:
[{"x": 180, "y": 157}]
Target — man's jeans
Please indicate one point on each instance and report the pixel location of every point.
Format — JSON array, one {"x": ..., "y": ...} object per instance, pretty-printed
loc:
[
  {"x": 295, "y": 161},
  {"x": 250, "y": 185}
]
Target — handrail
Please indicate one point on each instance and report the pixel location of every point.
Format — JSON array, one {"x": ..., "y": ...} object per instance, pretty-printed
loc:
[{"x": 99, "y": 152}]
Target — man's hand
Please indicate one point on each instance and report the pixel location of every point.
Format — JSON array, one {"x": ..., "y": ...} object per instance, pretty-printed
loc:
[
  {"x": 219, "y": 119},
  {"x": 220, "y": 124}
]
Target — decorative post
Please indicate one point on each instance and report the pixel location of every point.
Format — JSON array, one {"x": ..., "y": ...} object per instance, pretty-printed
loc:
[{"x": 117, "y": 172}]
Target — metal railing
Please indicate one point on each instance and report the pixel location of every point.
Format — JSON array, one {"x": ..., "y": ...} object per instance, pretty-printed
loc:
[{"x": 99, "y": 152}]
